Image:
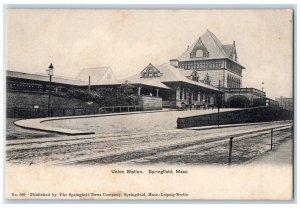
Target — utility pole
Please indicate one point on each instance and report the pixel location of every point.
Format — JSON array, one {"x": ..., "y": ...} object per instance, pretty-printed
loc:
[{"x": 89, "y": 84}]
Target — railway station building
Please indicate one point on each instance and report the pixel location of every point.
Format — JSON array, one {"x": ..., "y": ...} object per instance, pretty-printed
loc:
[{"x": 207, "y": 72}]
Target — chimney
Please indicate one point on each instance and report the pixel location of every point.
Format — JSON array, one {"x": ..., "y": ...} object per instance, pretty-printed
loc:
[{"x": 174, "y": 62}]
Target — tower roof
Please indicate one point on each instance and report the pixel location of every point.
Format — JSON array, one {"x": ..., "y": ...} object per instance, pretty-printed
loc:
[{"x": 214, "y": 47}]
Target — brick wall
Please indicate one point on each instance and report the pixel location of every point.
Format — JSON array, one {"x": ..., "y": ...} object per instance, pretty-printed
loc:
[{"x": 150, "y": 103}]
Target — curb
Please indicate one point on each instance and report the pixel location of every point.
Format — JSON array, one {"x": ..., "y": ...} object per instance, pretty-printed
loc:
[
  {"x": 228, "y": 126},
  {"x": 44, "y": 128},
  {"x": 36, "y": 123}
]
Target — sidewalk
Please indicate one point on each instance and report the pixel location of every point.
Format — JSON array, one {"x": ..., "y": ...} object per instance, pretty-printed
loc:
[
  {"x": 39, "y": 123},
  {"x": 281, "y": 154}
]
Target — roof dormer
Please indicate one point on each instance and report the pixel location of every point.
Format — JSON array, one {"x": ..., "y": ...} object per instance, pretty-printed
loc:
[
  {"x": 150, "y": 71},
  {"x": 199, "y": 50}
]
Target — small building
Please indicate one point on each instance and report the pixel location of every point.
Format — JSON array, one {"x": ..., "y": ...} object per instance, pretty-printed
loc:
[{"x": 285, "y": 103}]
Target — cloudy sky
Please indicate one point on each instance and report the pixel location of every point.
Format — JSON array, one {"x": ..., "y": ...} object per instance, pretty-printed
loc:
[{"x": 128, "y": 40}]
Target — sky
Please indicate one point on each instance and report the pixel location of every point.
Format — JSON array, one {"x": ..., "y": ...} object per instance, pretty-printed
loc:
[{"x": 128, "y": 40}]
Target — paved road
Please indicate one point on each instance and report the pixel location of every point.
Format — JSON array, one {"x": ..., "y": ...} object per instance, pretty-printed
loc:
[
  {"x": 132, "y": 123},
  {"x": 167, "y": 146}
]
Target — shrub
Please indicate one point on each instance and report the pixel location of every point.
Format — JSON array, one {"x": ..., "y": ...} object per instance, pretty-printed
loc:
[{"x": 104, "y": 96}]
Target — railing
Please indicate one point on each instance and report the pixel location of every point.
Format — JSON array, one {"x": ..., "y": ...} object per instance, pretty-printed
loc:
[
  {"x": 243, "y": 147},
  {"x": 245, "y": 90},
  {"x": 269, "y": 135},
  {"x": 57, "y": 112}
]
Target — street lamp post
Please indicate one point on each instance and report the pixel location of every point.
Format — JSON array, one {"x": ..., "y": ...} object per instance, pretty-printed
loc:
[
  {"x": 50, "y": 73},
  {"x": 219, "y": 103}
]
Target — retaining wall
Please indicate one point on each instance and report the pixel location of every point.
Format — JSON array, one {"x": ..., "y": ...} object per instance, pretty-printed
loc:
[
  {"x": 249, "y": 115},
  {"x": 31, "y": 99}
]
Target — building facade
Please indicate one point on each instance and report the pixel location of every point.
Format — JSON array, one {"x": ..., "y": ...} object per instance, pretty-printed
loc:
[
  {"x": 285, "y": 103},
  {"x": 178, "y": 87},
  {"x": 217, "y": 65}
]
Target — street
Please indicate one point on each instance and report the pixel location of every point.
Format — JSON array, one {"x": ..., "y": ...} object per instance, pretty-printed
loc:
[{"x": 146, "y": 146}]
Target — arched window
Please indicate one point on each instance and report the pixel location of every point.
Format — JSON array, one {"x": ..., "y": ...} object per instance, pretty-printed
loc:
[
  {"x": 234, "y": 82},
  {"x": 199, "y": 53},
  {"x": 228, "y": 81}
]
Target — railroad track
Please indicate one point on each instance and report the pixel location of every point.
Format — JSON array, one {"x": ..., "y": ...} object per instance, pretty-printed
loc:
[
  {"x": 112, "y": 148},
  {"x": 203, "y": 145}
]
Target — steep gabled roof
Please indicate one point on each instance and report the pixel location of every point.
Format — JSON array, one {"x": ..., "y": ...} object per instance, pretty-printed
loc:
[
  {"x": 147, "y": 67},
  {"x": 214, "y": 47},
  {"x": 97, "y": 75},
  {"x": 211, "y": 43}
]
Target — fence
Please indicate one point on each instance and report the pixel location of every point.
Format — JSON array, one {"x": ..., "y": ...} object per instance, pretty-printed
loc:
[
  {"x": 240, "y": 148},
  {"x": 57, "y": 112},
  {"x": 269, "y": 135}
]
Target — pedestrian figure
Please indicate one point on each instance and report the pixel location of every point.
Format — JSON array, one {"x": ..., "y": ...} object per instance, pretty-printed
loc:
[{"x": 183, "y": 106}]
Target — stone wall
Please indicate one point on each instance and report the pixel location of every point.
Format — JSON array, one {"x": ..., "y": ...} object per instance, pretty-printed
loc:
[
  {"x": 150, "y": 102},
  {"x": 249, "y": 115}
]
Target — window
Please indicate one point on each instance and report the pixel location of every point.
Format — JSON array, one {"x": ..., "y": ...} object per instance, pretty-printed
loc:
[
  {"x": 199, "y": 53},
  {"x": 150, "y": 72},
  {"x": 195, "y": 95}
]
